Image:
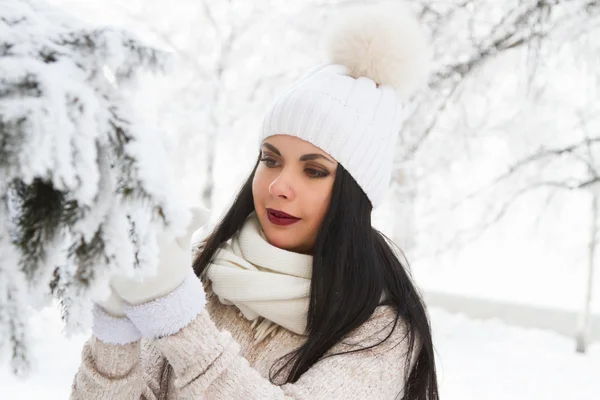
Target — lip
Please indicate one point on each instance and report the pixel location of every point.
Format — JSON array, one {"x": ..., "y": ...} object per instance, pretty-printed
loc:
[{"x": 281, "y": 218}]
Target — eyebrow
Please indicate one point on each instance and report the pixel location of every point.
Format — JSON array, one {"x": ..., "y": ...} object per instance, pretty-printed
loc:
[
  {"x": 310, "y": 157},
  {"x": 269, "y": 146},
  {"x": 306, "y": 157}
]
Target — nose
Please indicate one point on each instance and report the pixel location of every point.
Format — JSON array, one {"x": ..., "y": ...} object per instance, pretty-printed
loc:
[{"x": 281, "y": 187}]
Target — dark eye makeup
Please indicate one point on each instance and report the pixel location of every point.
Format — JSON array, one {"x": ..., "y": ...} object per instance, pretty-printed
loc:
[
  {"x": 312, "y": 172},
  {"x": 316, "y": 173}
]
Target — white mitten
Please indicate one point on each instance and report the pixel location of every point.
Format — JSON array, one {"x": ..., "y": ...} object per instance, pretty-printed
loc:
[
  {"x": 112, "y": 305},
  {"x": 122, "y": 318},
  {"x": 174, "y": 265},
  {"x": 110, "y": 323},
  {"x": 163, "y": 304}
]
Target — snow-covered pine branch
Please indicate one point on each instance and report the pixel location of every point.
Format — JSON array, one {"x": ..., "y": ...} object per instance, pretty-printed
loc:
[{"x": 83, "y": 182}]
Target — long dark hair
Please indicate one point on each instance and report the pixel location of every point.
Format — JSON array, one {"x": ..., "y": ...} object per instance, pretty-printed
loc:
[{"x": 353, "y": 264}]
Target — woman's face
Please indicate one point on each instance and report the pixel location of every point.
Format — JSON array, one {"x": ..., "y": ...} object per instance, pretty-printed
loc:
[{"x": 292, "y": 190}]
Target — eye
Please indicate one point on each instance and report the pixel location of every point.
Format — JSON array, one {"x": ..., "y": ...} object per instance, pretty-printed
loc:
[
  {"x": 269, "y": 162},
  {"x": 315, "y": 173}
]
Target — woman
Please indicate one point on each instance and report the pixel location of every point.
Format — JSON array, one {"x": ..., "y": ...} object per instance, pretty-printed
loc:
[{"x": 304, "y": 299}]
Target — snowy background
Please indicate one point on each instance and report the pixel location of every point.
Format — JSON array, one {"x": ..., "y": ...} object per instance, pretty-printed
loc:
[
  {"x": 499, "y": 246},
  {"x": 476, "y": 360}
]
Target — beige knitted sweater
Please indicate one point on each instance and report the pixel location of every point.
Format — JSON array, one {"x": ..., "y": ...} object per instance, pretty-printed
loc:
[{"x": 214, "y": 357}]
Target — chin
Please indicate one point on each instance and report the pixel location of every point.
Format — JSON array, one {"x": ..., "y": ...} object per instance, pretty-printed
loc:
[
  {"x": 283, "y": 238},
  {"x": 283, "y": 241}
]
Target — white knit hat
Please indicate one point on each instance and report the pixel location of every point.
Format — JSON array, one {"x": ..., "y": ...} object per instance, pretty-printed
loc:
[{"x": 351, "y": 107}]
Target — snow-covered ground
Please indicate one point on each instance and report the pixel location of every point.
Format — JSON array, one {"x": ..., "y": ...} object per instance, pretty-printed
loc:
[{"x": 476, "y": 360}]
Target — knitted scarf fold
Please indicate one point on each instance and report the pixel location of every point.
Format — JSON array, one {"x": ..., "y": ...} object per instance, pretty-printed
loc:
[{"x": 270, "y": 286}]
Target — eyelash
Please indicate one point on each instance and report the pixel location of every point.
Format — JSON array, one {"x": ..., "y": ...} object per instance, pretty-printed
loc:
[
  {"x": 311, "y": 172},
  {"x": 266, "y": 160},
  {"x": 315, "y": 173}
]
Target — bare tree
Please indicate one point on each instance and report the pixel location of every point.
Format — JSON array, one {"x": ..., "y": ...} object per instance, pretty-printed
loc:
[
  {"x": 461, "y": 48},
  {"x": 583, "y": 329}
]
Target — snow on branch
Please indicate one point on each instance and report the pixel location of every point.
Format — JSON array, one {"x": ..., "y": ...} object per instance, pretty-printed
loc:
[
  {"x": 84, "y": 183},
  {"x": 522, "y": 177},
  {"x": 525, "y": 24}
]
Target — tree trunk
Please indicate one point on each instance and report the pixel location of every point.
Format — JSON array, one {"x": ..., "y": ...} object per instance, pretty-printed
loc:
[
  {"x": 211, "y": 149},
  {"x": 404, "y": 196},
  {"x": 583, "y": 329}
]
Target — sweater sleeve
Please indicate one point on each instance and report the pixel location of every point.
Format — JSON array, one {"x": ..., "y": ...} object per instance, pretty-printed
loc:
[
  {"x": 108, "y": 371},
  {"x": 208, "y": 364},
  {"x": 110, "y": 366}
]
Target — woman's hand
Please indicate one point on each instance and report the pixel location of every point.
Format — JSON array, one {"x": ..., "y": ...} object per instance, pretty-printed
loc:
[
  {"x": 112, "y": 305},
  {"x": 113, "y": 323},
  {"x": 174, "y": 265}
]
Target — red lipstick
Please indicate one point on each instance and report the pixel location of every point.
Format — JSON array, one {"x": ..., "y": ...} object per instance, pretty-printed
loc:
[{"x": 280, "y": 218}]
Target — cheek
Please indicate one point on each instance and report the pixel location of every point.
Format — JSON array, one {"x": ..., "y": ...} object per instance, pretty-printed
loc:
[
  {"x": 260, "y": 185},
  {"x": 319, "y": 203}
]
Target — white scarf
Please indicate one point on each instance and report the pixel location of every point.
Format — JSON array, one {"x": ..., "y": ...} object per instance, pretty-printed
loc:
[{"x": 262, "y": 281}]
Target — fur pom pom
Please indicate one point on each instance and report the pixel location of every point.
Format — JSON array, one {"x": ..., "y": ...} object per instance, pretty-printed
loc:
[{"x": 385, "y": 44}]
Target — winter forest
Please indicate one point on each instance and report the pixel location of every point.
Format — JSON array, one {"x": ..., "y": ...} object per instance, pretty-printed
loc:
[{"x": 495, "y": 196}]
